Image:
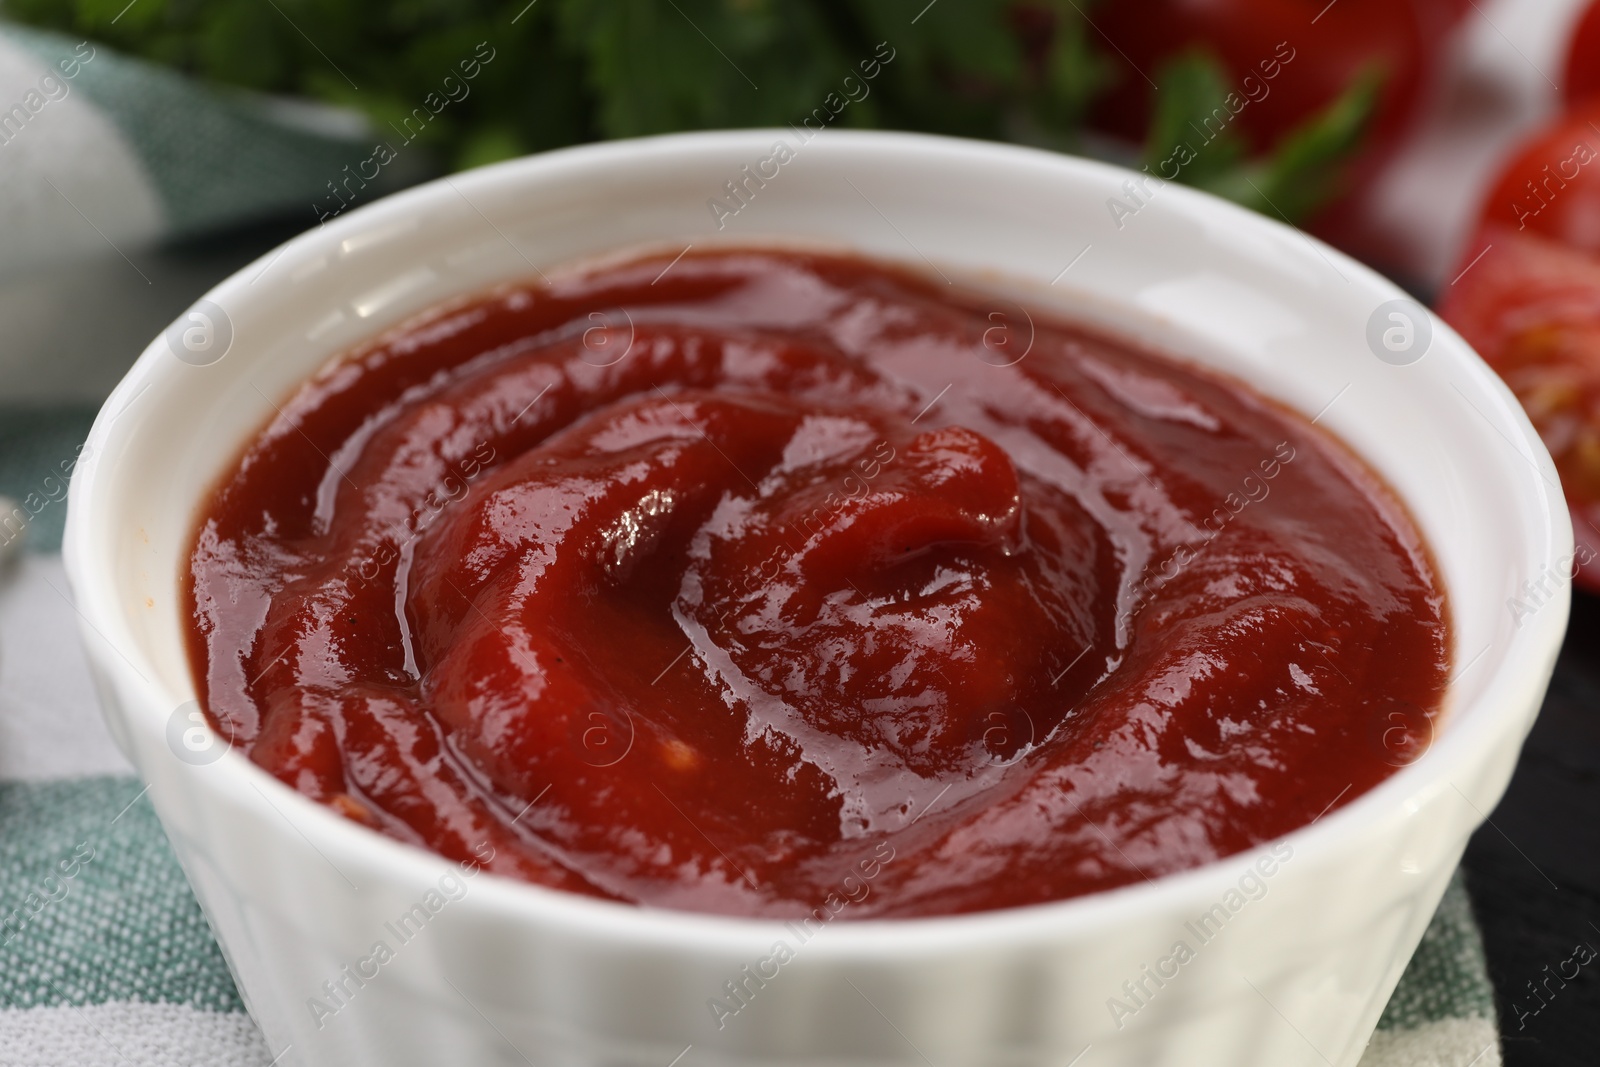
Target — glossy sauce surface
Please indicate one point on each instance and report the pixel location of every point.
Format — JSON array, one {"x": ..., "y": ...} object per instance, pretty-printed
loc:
[{"x": 778, "y": 579}]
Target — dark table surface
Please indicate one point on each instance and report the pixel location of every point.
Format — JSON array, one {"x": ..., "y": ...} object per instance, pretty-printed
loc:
[{"x": 1534, "y": 869}]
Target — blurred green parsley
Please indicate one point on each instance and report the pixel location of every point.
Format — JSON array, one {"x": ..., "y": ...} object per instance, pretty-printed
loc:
[{"x": 568, "y": 71}]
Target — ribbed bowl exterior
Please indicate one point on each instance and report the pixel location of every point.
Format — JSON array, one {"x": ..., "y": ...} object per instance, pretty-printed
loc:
[{"x": 481, "y": 970}]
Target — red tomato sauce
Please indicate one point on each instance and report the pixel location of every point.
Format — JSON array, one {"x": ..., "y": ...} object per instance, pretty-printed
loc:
[{"x": 768, "y": 580}]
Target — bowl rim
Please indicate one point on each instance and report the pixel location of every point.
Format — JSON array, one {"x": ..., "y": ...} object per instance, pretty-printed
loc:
[{"x": 1475, "y": 727}]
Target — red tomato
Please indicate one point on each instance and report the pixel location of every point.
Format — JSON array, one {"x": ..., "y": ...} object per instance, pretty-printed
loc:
[
  {"x": 1441, "y": 16},
  {"x": 1582, "y": 79},
  {"x": 1552, "y": 185},
  {"x": 1287, "y": 58},
  {"x": 1531, "y": 308}
]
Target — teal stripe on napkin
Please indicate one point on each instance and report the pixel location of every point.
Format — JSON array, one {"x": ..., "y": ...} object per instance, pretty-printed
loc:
[
  {"x": 93, "y": 905},
  {"x": 1448, "y": 978},
  {"x": 38, "y": 450},
  {"x": 217, "y": 157}
]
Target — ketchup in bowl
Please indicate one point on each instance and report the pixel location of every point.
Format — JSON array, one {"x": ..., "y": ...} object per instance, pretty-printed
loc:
[{"x": 743, "y": 582}]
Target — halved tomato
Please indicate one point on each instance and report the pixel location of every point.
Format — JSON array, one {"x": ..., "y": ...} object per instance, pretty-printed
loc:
[
  {"x": 1551, "y": 186},
  {"x": 1531, "y": 307},
  {"x": 1582, "y": 79}
]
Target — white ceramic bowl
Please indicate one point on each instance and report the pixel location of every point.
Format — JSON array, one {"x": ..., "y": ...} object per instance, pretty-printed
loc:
[{"x": 512, "y": 973}]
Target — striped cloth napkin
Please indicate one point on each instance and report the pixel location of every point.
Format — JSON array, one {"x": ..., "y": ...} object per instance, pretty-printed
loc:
[
  {"x": 101, "y": 153},
  {"x": 105, "y": 957}
]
